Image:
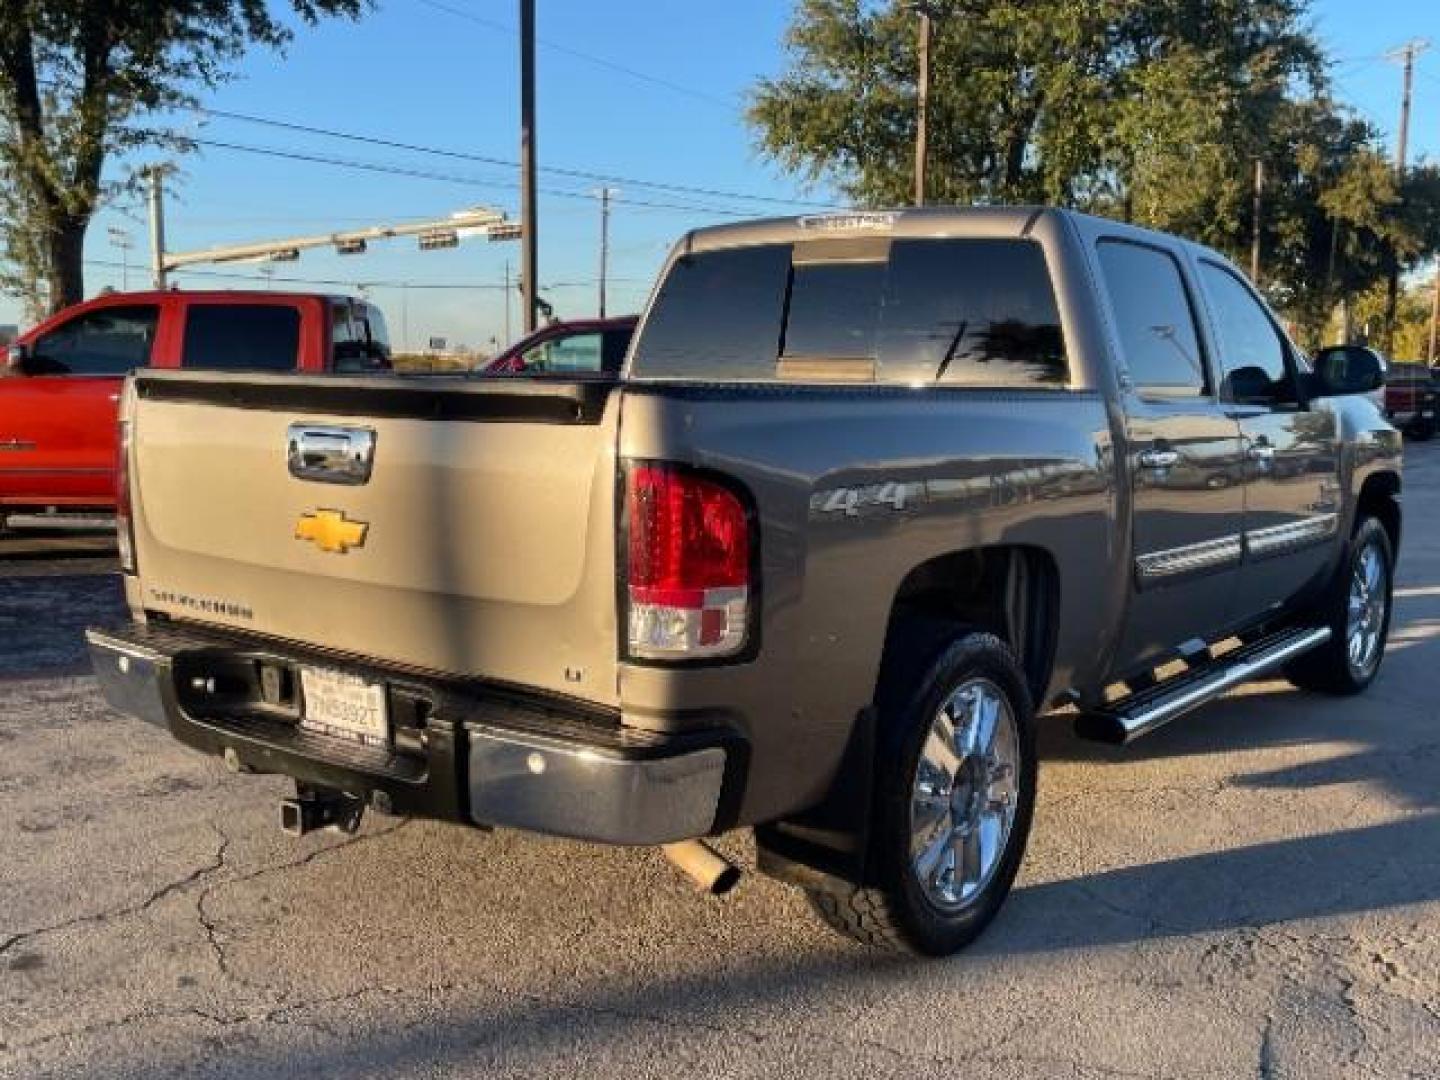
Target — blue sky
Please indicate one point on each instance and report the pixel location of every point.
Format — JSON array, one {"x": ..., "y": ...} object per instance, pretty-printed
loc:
[{"x": 443, "y": 73}]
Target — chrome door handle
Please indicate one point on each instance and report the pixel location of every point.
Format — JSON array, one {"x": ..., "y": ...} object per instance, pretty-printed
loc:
[
  {"x": 1159, "y": 459},
  {"x": 332, "y": 455},
  {"x": 16, "y": 444}
]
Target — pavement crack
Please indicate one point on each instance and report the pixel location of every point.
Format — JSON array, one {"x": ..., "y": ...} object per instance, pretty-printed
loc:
[
  {"x": 210, "y": 927},
  {"x": 215, "y": 863}
]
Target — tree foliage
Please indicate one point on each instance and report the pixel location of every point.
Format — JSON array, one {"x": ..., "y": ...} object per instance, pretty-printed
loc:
[
  {"x": 76, "y": 79},
  {"x": 1152, "y": 111}
]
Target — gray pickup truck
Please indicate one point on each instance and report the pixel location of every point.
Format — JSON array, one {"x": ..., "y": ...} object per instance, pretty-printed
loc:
[{"x": 872, "y": 491}]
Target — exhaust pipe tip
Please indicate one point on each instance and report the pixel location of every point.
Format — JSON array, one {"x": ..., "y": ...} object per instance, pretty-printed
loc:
[{"x": 711, "y": 871}]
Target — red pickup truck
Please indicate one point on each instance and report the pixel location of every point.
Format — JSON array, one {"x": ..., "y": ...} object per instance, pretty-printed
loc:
[
  {"x": 1412, "y": 399},
  {"x": 62, "y": 379}
]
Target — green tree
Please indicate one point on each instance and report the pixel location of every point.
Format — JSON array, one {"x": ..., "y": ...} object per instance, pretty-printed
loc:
[
  {"x": 1152, "y": 112},
  {"x": 1069, "y": 101},
  {"x": 76, "y": 77}
]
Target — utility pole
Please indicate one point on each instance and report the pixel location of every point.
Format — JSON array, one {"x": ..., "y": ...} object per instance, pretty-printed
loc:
[
  {"x": 156, "y": 174},
  {"x": 922, "y": 102},
  {"x": 604, "y": 244},
  {"x": 529, "y": 239},
  {"x": 507, "y": 302},
  {"x": 1406, "y": 55},
  {"x": 1257, "y": 210}
]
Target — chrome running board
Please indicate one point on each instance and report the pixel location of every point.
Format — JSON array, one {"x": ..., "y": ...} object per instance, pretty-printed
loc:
[{"x": 1123, "y": 721}]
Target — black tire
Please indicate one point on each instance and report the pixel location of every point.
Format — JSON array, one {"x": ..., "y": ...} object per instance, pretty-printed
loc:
[
  {"x": 1328, "y": 669},
  {"x": 897, "y": 912}
]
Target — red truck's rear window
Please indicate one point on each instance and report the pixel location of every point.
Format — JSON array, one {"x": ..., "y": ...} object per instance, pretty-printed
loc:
[{"x": 242, "y": 337}]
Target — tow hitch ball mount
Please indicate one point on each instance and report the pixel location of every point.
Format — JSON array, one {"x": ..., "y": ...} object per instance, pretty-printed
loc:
[{"x": 320, "y": 808}]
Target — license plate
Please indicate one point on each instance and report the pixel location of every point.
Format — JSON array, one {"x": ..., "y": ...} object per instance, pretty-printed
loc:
[{"x": 344, "y": 706}]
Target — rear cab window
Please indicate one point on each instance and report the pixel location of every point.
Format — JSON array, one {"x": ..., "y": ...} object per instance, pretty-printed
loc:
[
  {"x": 1155, "y": 320},
  {"x": 959, "y": 312},
  {"x": 359, "y": 341},
  {"x": 241, "y": 337}
]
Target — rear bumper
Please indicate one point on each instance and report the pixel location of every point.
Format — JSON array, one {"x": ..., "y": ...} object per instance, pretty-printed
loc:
[{"x": 455, "y": 754}]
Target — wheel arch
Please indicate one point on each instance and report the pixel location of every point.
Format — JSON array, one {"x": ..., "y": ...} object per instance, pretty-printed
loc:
[
  {"x": 1380, "y": 498},
  {"x": 1009, "y": 590}
]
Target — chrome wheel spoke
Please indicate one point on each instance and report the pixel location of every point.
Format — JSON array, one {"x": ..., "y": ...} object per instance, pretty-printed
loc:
[
  {"x": 939, "y": 750},
  {"x": 928, "y": 811},
  {"x": 1371, "y": 563},
  {"x": 969, "y": 861},
  {"x": 930, "y": 863},
  {"x": 984, "y": 722}
]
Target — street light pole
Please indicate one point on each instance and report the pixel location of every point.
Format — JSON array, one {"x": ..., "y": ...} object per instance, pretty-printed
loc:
[{"x": 529, "y": 240}]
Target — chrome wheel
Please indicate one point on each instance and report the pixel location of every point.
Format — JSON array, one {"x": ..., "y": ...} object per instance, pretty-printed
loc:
[
  {"x": 1366, "y": 610},
  {"x": 965, "y": 794}
]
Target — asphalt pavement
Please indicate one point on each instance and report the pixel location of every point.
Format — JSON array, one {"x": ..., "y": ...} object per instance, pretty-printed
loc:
[{"x": 1253, "y": 891}]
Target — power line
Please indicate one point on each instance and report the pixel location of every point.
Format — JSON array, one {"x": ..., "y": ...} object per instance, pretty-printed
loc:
[
  {"x": 599, "y": 61},
  {"x": 460, "y": 155},
  {"x": 451, "y": 178}
]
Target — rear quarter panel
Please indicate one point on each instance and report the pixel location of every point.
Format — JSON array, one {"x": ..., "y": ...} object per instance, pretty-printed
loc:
[{"x": 976, "y": 468}]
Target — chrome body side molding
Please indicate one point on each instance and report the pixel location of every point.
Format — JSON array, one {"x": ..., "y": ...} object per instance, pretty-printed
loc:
[
  {"x": 1278, "y": 539},
  {"x": 1172, "y": 562}
]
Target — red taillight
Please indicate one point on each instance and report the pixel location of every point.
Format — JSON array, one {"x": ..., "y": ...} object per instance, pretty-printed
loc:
[
  {"x": 688, "y": 569},
  {"x": 124, "y": 527}
]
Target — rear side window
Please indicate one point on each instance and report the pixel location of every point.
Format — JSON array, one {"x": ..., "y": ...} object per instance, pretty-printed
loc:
[
  {"x": 573, "y": 354},
  {"x": 960, "y": 312},
  {"x": 1154, "y": 318},
  {"x": 109, "y": 341},
  {"x": 242, "y": 337}
]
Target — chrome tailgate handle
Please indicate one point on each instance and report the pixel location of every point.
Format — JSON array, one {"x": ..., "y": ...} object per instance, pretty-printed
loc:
[
  {"x": 331, "y": 455},
  {"x": 1159, "y": 459}
]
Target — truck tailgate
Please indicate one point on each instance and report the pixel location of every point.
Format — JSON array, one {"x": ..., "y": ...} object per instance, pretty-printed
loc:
[{"x": 482, "y": 543}]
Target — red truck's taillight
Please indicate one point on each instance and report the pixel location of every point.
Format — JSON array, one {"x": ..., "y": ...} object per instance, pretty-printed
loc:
[
  {"x": 688, "y": 565},
  {"x": 124, "y": 527}
]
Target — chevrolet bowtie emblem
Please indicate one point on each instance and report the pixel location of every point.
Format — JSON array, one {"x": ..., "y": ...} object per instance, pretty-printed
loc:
[{"x": 330, "y": 531}]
